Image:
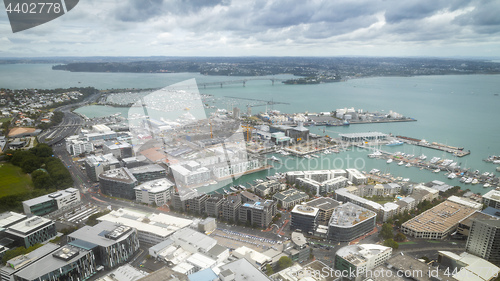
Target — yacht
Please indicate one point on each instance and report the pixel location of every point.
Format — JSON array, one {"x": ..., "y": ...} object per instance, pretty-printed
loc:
[
  {"x": 374, "y": 171},
  {"x": 408, "y": 165},
  {"x": 475, "y": 181},
  {"x": 436, "y": 171},
  {"x": 463, "y": 179},
  {"x": 389, "y": 161},
  {"x": 375, "y": 154},
  {"x": 422, "y": 157},
  {"x": 486, "y": 185},
  {"x": 435, "y": 159},
  {"x": 469, "y": 180},
  {"x": 401, "y": 163},
  {"x": 274, "y": 158},
  {"x": 394, "y": 143},
  {"x": 452, "y": 176}
]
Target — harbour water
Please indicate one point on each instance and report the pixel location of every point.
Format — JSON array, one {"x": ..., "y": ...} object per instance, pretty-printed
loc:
[{"x": 458, "y": 110}]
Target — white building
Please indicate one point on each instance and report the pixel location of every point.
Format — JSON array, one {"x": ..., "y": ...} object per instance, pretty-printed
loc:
[
  {"x": 190, "y": 173},
  {"x": 356, "y": 177},
  {"x": 156, "y": 191},
  {"x": 51, "y": 202},
  {"x": 362, "y": 258},
  {"x": 76, "y": 146}
]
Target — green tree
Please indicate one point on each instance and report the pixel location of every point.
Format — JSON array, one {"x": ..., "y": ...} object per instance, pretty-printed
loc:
[
  {"x": 391, "y": 243},
  {"x": 269, "y": 269},
  {"x": 284, "y": 262},
  {"x": 386, "y": 231},
  {"x": 400, "y": 237},
  {"x": 41, "y": 179}
]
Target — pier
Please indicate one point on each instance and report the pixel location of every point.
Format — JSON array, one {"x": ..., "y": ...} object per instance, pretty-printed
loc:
[{"x": 456, "y": 151}]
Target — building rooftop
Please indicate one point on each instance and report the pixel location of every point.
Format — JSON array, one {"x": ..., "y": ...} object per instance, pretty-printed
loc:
[
  {"x": 473, "y": 267},
  {"x": 48, "y": 197},
  {"x": 305, "y": 210},
  {"x": 298, "y": 239},
  {"x": 290, "y": 195},
  {"x": 155, "y": 186},
  {"x": 29, "y": 225},
  {"x": 492, "y": 212},
  {"x": 203, "y": 275},
  {"x": 103, "y": 234},
  {"x": 106, "y": 159},
  {"x": 120, "y": 174},
  {"x": 244, "y": 271},
  {"x": 323, "y": 203},
  {"x": 419, "y": 270},
  {"x": 23, "y": 260},
  {"x": 147, "y": 169},
  {"x": 349, "y": 214},
  {"x": 10, "y": 218},
  {"x": 160, "y": 224},
  {"x": 440, "y": 218},
  {"x": 368, "y": 134},
  {"x": 465, "y": 202},
  {"x": 361, "y": 253},
  {"x": 194, "y": 238},
  {"x": 124, "y": 273}
]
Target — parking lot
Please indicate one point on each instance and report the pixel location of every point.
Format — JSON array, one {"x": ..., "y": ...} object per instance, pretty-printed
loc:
[{"x": 234, "y": 239}]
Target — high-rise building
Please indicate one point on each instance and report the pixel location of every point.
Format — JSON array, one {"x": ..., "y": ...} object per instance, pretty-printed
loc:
[
  {"x": 259, "y": 213},
  {"x": 231, "y": 207},
  {"x": 484, "y": 240},
  {"x": 304, "y": 218},
  {"x": 213, "y": 205},
  {"x": 118, "y": 183}
]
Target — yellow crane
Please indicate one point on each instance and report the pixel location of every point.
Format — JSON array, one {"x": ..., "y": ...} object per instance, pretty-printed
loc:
[{"x": 248, "y": 130}]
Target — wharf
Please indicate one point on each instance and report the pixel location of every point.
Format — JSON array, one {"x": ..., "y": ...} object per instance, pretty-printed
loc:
[{"x": 456, "y": 151}]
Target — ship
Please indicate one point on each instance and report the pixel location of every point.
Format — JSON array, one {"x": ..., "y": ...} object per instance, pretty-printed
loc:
[
  {"x": 389, "y": 161},
  {"x": 394, "y": 143}
]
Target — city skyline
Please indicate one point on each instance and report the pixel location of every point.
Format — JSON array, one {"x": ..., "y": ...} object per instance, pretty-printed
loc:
[{"x": 263, "y": 28}]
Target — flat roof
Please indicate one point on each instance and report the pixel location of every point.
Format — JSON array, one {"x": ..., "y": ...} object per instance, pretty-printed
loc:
[
  {"x": 243, "y": 271},
  {"x": 361, "y": 253},
  {"x": 305, "y": 210},
  {"x": 367, "y": 134},
  {"x": 155, "y": 186},
  {"x": 349, "y": 214},
  {"x": 29, "y": 225},
  {"x": 97, "y": 234},
  {"x": 194, "y": 238},
  {"x": 120, "y": 174},
  {"x": 10, "y": 218},
  {"x": 323, "y": 203},
  {"x": 147, "y": 169},
  {"x": 439, "y": 218},
  {"x": 48, "y": 197}
]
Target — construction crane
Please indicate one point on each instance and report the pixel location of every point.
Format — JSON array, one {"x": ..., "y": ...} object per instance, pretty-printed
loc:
[
  {"x": 248, "y": 130},
  {"x": 148, "y": 121}
]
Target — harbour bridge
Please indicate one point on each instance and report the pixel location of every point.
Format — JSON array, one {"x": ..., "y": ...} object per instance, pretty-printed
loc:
[{"x": 241, "y": 81}]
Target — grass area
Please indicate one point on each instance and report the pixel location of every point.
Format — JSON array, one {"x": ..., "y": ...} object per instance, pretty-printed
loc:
[
  {"x": 381, "y": 200},
  {"x": 13, "y": 180},
  {"x": 407, "y": 243}
]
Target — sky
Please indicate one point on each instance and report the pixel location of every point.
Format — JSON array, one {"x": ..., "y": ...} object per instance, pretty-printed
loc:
[{"x": 437, "y": 28}]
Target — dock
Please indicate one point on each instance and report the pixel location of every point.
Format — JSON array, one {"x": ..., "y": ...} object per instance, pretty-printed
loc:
[{"x": 456, "y": 151}]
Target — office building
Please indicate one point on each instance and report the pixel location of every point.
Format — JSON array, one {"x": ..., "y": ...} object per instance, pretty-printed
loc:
[
  {"x": 440, "y": 221},
  {"x": 361, "y": 258},
  {"x": 298, "y": 250},
  {"x": 151, "y": 228},
  {"x": 118, "y": 183},
  {"x": 266, "y": 188},
  {"x": 350, "y": 221},
  {"x": 231, "y": 208},
  {"x": 492, "y": 199},
  {"x": 325, "y": 206},
  {"x": 259, "y": 213},
  {"x": 484, "y": 240},
  {"x": 118, "y": 149},
  {"x": 304, "y": 219},
  {"x": 156, "y": 192},
  {"x": 95, "y": 165},
  {"x": 31, "y": 231},
  {"x": 356, "y": 177},
  {"x": 77, "y": 146},
  {"x": 290, "y": 198},
  {"x": 190, "y": 174},
  {"x": 16, "y": 264},
  {"x": 148, "y": 172},
  {"x": 51, "y": 202},
  {"x": 213, "y": 205},
  {"x": 112, "y": 244}
]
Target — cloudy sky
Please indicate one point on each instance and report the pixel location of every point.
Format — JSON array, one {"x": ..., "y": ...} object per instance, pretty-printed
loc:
[{"x": 263, "y": 28}]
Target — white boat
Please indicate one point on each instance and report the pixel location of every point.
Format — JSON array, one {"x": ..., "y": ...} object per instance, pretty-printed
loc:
[
  {"x": 498, "y": 169},
  {"x": 307, "y": 156},
  {"x": 452, "y": 176},
  {"x": 374, "y": 171},
  {"x": 274, "y": 158},
  {"x": 486, "y": 174},
  {"x": 389, "y": 161},
  {"x": 463, "y": 179},
  {"x": 422, "y": 157},
  {"x": 469, "y": 180},
  {"x": 447, "y": 162},
  {"x": 435, "y": 159},
  {"x": 486, "y": 185},
  {"x": 401, "y": 163},
  {"x": 436, "y": 171},
  {"x": 408, "y": 165},
  {"x": 475, "y": 181},
  {"x": 375, "y": 154},
  {"x": 406, "y": 179},
  {"x": 394, "y": 143},
  {"x": 315, "y": 156}
]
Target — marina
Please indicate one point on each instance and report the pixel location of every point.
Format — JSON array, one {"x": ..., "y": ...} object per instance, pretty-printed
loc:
[{"x": 456, "y": 151}]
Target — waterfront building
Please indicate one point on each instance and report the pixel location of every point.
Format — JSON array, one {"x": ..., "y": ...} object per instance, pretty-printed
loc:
[
  {"x": 225, "y": 170},
  {"x": 440, "y": 221},
  {"x": 51, "y": 202},
  {"x": 290, "y": 197},
  {"x": 384, "y": 212},
  {"x": 118, "y": 183},
  {"x": 363, "y": 137},
  {"x": 95, "y": 165},
  {"x": 356, "y": 177},
  {"x": 259, "y": 213},
  {"x": 325, "y": 206},
  {"x": 484, "y": 240},
  {"x": 156, "y": 191},
  {"x": 361, "y": 258},
  {"x": 189, "y": 174},
  {"x": 304, "y": 219},
  {"x": 112, "y": 244},
  {"x": 31, "y": 231},
  {"x": 268, "y": 187},
  {"x": 492, "y": 199},
  {"x": 249, "y": 197},
  {"x": 350, "y": 221}
]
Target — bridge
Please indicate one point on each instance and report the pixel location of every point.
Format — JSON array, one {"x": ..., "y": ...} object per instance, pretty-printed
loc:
[{"x": 241, "y": 81}]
